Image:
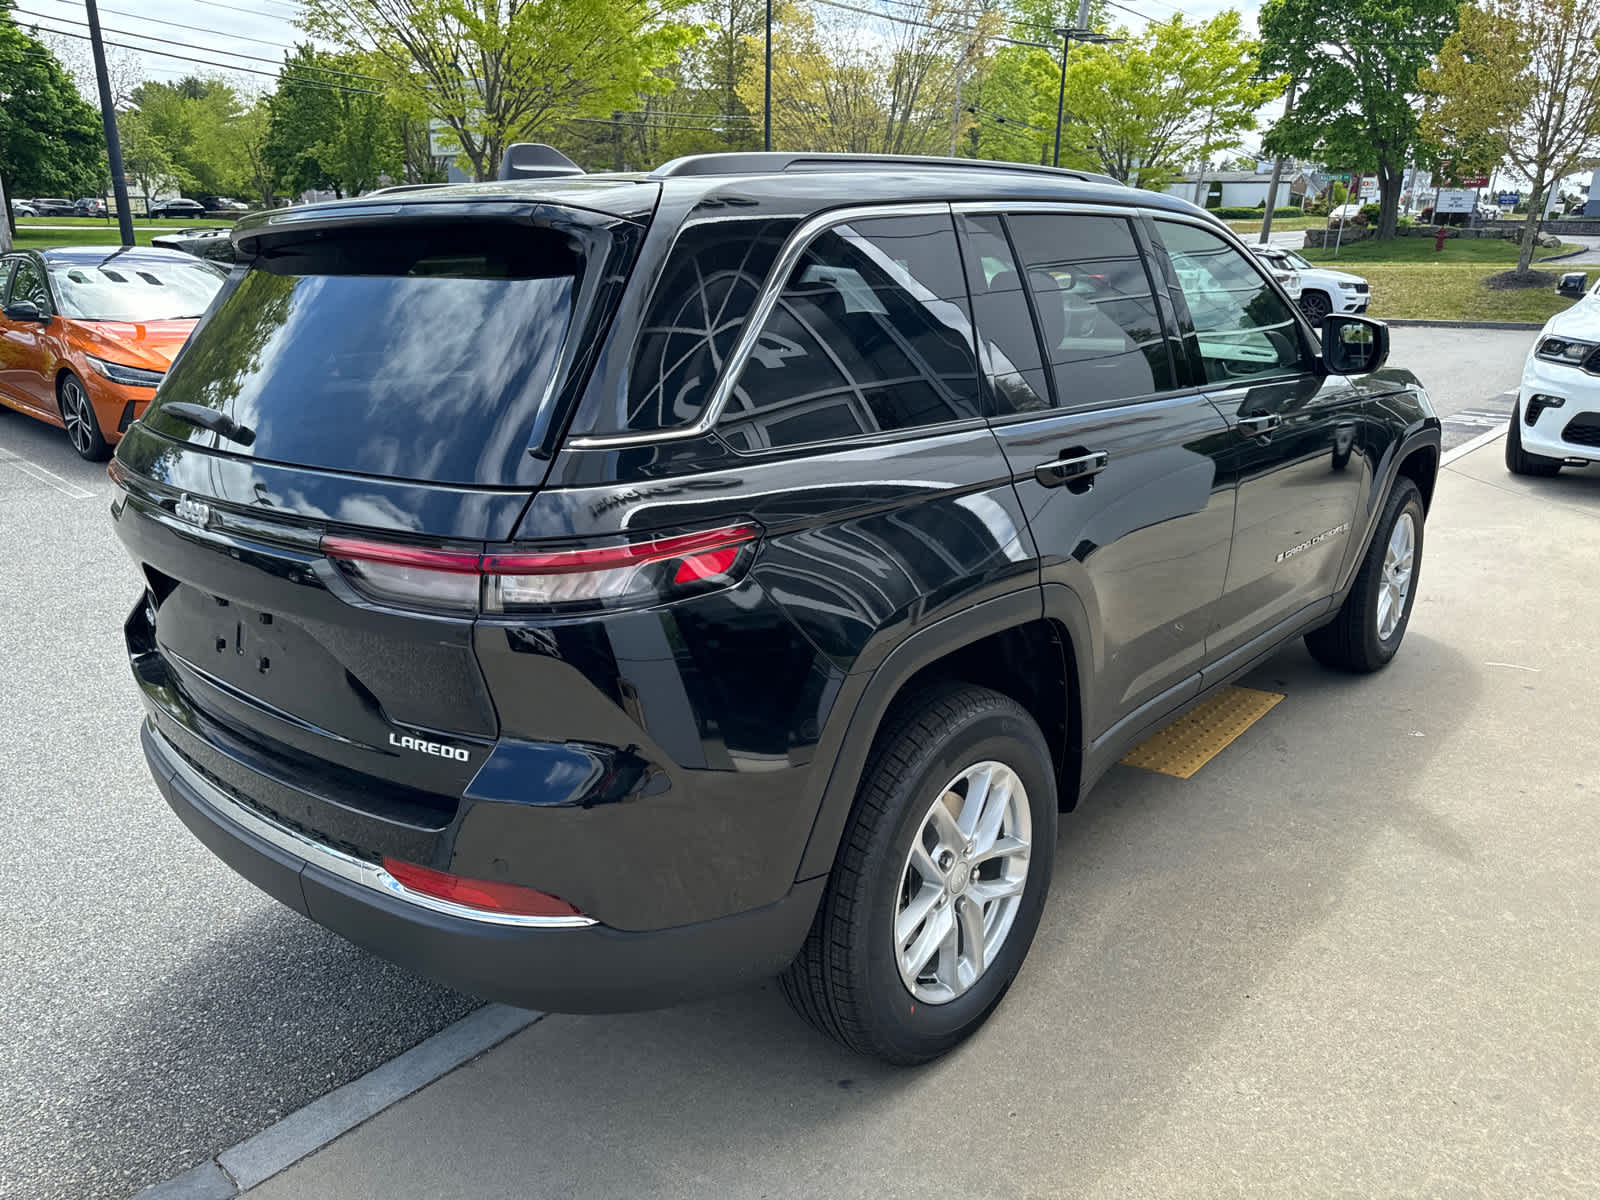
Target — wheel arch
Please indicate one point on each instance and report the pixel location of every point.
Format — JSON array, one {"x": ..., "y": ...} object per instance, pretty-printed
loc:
[
  {"x": 1421, "y": 466},
  {"x": 1008, "y": 645}
]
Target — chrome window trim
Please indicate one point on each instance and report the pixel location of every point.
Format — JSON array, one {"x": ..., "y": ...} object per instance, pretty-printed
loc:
[
  {"x": 799, "y": 241},
  {"x": 345, "y": 866}
]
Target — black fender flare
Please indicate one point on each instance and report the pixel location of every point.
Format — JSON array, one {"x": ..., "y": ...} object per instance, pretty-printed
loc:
[
  {"x": 1422, "y": 435},
  {"x": 875, "y": 691}
]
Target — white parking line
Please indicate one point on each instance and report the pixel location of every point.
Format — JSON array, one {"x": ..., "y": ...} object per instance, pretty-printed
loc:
[
  {"x": 71, "y": 490},
  {"x": 1477, "y": 443}
]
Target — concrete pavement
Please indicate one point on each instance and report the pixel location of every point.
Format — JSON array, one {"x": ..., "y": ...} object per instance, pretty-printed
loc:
[{"x": 1357, "y": 954}]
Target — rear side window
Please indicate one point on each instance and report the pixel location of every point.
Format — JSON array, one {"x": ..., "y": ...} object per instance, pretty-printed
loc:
[
  {"x": 871, "y": 333},
  {"x": 1101, "y": 330},
  {"x": 420, "y": 353},
  {"x": 713, "y": 277}
]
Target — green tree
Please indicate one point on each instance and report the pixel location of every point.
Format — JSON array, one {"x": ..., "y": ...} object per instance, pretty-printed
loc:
[
  {"x": 1520, "y": 81},
  {"x": 147, "y": 159},
  {"x": 498, "y": 71},
  {"x": 1177, "y": 92},
  {"x": 1357, "y": 62},
  {"x": 51, "y": 142},
  {"x": 330, "y": 126}
]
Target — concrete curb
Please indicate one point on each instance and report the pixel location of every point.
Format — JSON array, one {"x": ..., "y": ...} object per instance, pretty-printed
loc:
[
  {"x": 309, "y": 1129},
  {"x": 1406, "y": 322}
]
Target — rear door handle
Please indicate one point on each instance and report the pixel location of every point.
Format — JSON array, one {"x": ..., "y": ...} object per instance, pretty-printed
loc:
[
  {"x": 1067, "y": 470},
  {"x": 1260, "y": 424}
]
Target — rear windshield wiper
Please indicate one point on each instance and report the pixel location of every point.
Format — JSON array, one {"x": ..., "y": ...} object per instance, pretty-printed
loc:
[{"x": 209, "y": 418}]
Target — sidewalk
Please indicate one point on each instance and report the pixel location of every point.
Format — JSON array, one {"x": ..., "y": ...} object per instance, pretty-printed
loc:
[{"x": 1358, "y": 953}]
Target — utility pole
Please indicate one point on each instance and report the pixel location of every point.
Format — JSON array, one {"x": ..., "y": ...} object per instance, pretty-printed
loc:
[
  {"x": 108, "y": 115},
  {"x": 1081, "y": 32},
  {"x": 961, "y": 68},
  {"x": 766, "y": 139},
  {"x": 1277, "y": 170}
]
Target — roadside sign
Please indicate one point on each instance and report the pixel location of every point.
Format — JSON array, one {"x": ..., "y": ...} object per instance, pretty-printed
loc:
[
  {"x": 1509, "y": 199},
  {"x": 442, "y": 140},
  {"x": 1369, "y": 187},
  {"x": 1339, "y": 176},
  {"x": 1454, "y": 200},
  {"x": 1473, "y": 181}
]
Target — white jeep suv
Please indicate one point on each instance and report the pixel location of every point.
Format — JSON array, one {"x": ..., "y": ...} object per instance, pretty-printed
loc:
[
  {"x": 1322, "y": 291},
  {"x": 1556, "y": 421}
]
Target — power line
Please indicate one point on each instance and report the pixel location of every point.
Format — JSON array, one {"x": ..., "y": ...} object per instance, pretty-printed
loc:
[
  {"x": 883, "y": 16},
  {"x": 237, "y": 37},
  {"x": 249, "y": 12},
  {"x": 282, "y": 77},
  {"x": 192, "y": 46}
]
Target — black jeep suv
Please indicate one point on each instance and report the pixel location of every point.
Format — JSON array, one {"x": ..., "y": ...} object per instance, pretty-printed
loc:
[{"x": 597, "y": 591}]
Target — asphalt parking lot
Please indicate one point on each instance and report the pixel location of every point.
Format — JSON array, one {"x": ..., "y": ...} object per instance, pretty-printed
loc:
[{"x": 1258, "y": 957}]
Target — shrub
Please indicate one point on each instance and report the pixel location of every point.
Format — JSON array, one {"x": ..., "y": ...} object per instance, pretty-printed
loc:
[{"x": 1370, "y": 212}]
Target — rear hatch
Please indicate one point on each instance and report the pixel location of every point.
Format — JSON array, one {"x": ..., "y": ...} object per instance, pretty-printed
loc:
[{"x": 402, "y": 380}]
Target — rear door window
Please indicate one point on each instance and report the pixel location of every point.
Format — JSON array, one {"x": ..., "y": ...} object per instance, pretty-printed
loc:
[
  {"x": 1102, "y": 332},
  {"x": 420, "y": 353},
  {"x": 870, "y": 334}
]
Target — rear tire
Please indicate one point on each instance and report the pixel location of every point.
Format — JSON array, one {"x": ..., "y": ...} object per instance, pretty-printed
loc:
[
  {"x": 1316, "y": 306},
  {"x": 1372, "y": 622},
  {"x": 1518, "y": 460},
  {"x": 860, "y": 977}
]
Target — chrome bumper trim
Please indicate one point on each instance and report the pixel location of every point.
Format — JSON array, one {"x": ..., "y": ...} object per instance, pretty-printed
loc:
[{"x": 337, "y": 862}]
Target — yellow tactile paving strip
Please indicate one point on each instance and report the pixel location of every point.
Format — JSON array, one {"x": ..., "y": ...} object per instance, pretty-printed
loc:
[{"x": 1202, "y": 733}]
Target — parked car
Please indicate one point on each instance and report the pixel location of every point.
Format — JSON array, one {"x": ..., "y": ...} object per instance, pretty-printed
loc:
[
  {"x": 221, "y": 205},
  {"x": 86, "y": 334},
  {"x": 1556, "y": 421},
  {"x": 177, "y": 208},
  {"x": 21, "y": 208},
  {"x": 89, "y": 206},
  {"x": 778, "y": 543},
  {"x": 1322, "y": 291},
  {"x": 214, "y": 244},
  {"x": 53, "y": 208}
]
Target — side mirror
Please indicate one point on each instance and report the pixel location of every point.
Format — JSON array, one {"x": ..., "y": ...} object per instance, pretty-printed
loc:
[
  {"x": 1354, "y": 345},
  {"x": 25, "y": 310},
  {"x": 1573, "y": 283}
]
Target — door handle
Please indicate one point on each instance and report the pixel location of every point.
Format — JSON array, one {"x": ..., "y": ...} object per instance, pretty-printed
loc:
[
  {"x": 1259, "y": 424},
  {"x": 1069, "y": 470}
]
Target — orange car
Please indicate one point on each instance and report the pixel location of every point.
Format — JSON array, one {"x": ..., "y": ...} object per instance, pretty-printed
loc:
[{"x": 86, "y": 333}]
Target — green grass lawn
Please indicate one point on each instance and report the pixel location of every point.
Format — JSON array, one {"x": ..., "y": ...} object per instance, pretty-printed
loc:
[
  {"x": 88, "y": 223},
  {"x": 1443, "y": 292},
  {"x": 1420, "y": 250},
  {"x": 45, "y": 239}
]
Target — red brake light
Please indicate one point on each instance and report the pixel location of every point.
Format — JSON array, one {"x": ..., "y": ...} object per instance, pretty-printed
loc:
[
  {"x": 510, "y": 898},
  {"x": 648, "y": 570}
]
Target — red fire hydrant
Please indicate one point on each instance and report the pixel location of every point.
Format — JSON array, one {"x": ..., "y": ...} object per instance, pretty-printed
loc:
[{"x": 1438, "y": 239}]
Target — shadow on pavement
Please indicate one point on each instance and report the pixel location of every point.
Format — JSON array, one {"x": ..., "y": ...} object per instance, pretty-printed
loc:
[{"x": 1174, "y": 903}]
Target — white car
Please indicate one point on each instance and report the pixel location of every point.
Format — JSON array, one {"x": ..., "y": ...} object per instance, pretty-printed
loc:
[
  {"x": 1556, "y": 421},
  {"x": 1322, "y": 291}
]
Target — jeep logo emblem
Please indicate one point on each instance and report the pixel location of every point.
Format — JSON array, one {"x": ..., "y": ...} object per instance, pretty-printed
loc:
[
  {"x": 437, "y": 749},
  {"x": 196, "y": 512}
]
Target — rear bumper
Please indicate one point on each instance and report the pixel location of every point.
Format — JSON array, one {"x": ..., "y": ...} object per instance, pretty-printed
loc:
[{"x": 554, "y": 967}]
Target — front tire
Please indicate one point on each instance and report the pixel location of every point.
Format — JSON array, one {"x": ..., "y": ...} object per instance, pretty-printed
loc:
[
  {"x": 1371, "y": 623},
  {"x": 77, "y": 414},
  {"x": 1518, "y": 460},
  {"x": 1316, "y": 306},
  {"x": 939, "y": 883}
]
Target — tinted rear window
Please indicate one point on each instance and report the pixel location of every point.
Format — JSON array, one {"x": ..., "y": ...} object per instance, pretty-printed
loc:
[{"x": 419, "y": 354}]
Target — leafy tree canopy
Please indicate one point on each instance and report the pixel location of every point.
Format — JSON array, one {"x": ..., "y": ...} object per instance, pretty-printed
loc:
[{"x": 51, "y": 141}]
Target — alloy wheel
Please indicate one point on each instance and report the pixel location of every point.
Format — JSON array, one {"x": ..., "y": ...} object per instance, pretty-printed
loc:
[
  {"x": 1315, "y": 306},
  {"x": 1395, "y": 585},
  {"x": 962, "y": 882},
  {"x": 79, "y": 418}
]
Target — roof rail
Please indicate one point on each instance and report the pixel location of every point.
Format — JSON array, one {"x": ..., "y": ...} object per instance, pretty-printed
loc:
[{"x": 772, "y": 162}]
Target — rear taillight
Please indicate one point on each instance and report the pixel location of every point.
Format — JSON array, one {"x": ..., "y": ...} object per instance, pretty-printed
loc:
[
  {"x": 638, "y": 572},
  {"x": 511, "y": 899}
]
